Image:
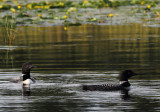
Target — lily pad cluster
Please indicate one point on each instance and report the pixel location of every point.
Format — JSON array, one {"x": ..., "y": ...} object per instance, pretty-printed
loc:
[{"x": 70, "y": 13}]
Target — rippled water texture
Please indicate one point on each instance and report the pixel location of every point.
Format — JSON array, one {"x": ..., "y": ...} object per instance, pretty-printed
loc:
[{"x": 88, "y": 54}]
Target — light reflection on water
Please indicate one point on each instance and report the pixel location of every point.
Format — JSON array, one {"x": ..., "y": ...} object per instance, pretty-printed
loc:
[{"x": 88, "y": 54}]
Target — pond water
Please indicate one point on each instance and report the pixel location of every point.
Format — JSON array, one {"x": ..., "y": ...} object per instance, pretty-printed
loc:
[{"x": 87, "y": 54}]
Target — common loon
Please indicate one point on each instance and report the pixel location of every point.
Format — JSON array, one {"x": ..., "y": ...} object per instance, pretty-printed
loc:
[
  {"x": 124, "y": 83},
  {"x": 25, "y": 78}
]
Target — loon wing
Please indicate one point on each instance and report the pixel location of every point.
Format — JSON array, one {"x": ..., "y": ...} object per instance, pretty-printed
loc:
[
  {"x": 33, "y": 80},
  {"x": 17, "y": 79}
]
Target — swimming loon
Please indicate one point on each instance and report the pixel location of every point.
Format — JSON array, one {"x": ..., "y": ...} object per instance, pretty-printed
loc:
[
  {"x": 25, "y": 78},
  {"x": 124, "y": 83}
]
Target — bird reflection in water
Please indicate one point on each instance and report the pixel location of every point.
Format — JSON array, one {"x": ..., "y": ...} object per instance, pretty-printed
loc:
[
  {"x": 26, "y": 91},
  {"x": 124, "y": 94}
]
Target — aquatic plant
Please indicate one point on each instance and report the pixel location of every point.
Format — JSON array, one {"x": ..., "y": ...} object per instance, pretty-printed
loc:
[
  {"x": 65, "y": 17},
  {"x": 19, "y": 6},
  {"x": 39, "y": 12},
  {"x": 65, "y": 28},
  {"x": 10, "y": 30},
  {"x": 69, "y": 23},
  {"x": 158, "y": 14},
  {"x": 5, "y": 6},
  {"x": 92, "y": 19},
  {"x": 111, "y": 15}
]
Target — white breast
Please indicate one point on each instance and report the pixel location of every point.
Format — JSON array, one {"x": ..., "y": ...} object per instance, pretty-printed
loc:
[
  {"x": 128, "y": 88},
  {"x": 28, "y": 81}
]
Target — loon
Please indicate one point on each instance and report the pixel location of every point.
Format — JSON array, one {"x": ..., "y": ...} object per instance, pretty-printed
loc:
[
  {"x": 25, "y": 78},
  {"x": 124, "y": 83}
]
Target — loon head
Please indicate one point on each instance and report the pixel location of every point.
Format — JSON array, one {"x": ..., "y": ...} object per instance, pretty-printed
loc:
[
  {"x": 126, "y": 74},
  {"x": 26, "y": 68}
]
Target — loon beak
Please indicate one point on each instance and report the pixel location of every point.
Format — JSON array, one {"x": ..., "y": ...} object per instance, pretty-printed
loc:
[
  {"x": 33, "y": 66},
  {"x": 134, "y": 74}
]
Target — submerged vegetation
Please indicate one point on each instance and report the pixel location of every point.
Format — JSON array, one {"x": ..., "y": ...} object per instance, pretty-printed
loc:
[{"x": 80, "y": 12}]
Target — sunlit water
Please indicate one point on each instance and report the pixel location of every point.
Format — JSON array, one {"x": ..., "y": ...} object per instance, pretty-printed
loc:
[{"x": 88, "y": 54}]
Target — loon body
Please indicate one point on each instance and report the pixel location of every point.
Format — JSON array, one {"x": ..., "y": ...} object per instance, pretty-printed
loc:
[
  {"x": 25, "y": 78},
  {"x": 123, "y": 85}
]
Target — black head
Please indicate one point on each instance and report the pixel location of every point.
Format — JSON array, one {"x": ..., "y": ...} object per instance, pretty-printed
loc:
[
  {"x": 126, "y": 74},
  {"x": 26, "y": 67}
]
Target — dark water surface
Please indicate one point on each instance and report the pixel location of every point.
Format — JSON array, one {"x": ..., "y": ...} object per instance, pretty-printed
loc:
[{"x": 88, "y": 54}]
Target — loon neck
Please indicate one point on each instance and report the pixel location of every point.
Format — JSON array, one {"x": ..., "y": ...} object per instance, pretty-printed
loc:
[
  {"x": 26, "y": 71},
  {"x": 125, "y": 83},
  {"x": 26, "y": 76},
  {"x": 123, "y": 78},
  {"x": 122, "y": 82}
]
